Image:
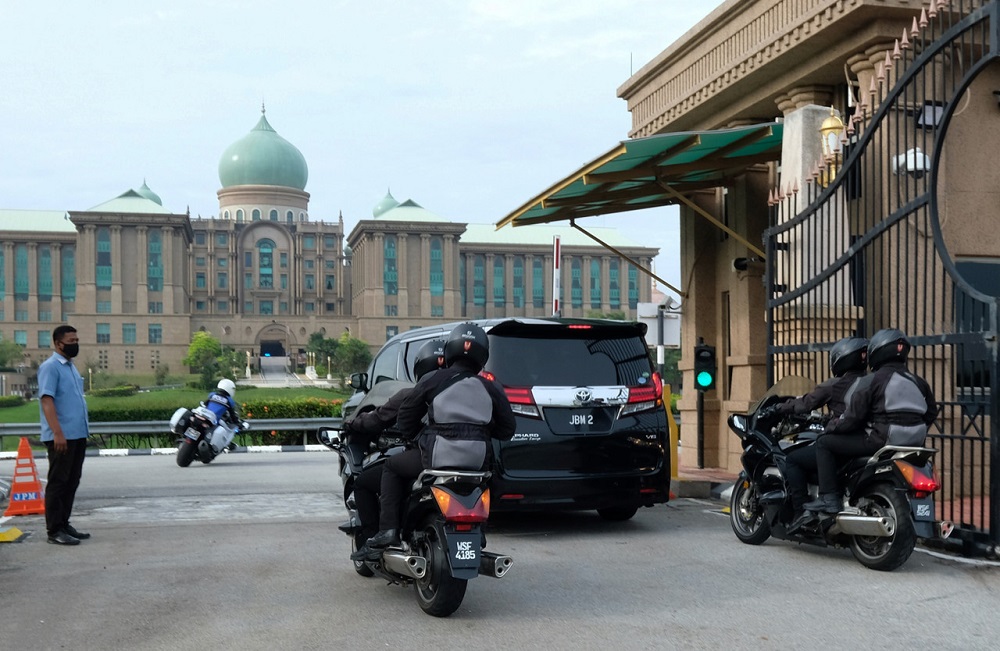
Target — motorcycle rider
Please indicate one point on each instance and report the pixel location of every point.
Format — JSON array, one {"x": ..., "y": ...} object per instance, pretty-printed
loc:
[
  {"x": 891, "y": 405},
  {"x": 462, "y": 410},
  {"x": 847, "y": 363},
  {"x": 222, "y": 403},
  {"x": 366, "y": 428}
]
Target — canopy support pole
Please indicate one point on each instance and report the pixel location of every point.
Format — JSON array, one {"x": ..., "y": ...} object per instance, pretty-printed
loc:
[
  {"x": 572, "y": 222},
  {"x": 704, "y": 213}
]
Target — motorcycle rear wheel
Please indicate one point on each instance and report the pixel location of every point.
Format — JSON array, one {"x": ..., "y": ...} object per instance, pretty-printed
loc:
[
  {"x": 185, "y": 454},
  {"x": 438, "y": 593},
  {"x": 746, "y": 514},
  {"x": 885, "y": 554}
]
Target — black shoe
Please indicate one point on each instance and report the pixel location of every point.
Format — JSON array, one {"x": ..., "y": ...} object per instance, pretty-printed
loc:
[
  {"x": 360, "y": 554},
  {"x": 827, "y": 503},
  {"x": 232, "y": 446},
  {"x": 63, "y": 538},
  {"x": 803, "y": 518},
  {"x": 384, "y": 538},
  {"x": 76, "y": 534}
]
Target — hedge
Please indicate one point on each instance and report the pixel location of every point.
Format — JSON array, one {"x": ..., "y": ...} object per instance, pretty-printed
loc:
[{"x": 11, "y": 401}]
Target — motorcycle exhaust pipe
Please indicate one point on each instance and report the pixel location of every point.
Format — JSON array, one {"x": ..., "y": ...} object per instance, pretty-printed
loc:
[
  {"x": 495, "y": 565},
  {"x": 414, "y": 567},
  {"x": 863, "y": 525}
]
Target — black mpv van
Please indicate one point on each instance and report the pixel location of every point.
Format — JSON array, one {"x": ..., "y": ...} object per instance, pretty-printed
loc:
[{"x": 591, "y": 425}]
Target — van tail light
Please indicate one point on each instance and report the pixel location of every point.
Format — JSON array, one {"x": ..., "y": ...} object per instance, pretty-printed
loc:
[
  {"x": 645, "y": 396},
  {"x": 521, "y": 401},
  {"x": 464, "y": 509},
  {"x": 923, "y": 484}
]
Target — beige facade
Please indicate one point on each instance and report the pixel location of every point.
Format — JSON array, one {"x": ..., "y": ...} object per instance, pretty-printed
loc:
[{"x": 757, "y": 61}]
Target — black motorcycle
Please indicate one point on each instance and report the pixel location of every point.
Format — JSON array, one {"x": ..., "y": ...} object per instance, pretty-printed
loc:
[
  {"x": 888, "y": 501},
  {"x": 441, "y": 537}
]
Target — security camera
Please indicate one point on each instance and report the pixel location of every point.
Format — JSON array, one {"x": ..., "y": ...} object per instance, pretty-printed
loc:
[
  {"x": 741, "y": 264},
  {"x": 914, "y": 162}
]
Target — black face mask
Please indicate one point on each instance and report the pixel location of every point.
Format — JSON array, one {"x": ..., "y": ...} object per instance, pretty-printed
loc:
[{"x": 70, "y": 351}]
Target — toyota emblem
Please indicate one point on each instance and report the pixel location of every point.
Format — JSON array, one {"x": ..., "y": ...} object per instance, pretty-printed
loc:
[{"x": 584, "y": 395}]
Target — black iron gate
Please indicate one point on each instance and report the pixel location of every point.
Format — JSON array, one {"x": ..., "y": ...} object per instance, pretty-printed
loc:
[{"x": 869, "y": 249}]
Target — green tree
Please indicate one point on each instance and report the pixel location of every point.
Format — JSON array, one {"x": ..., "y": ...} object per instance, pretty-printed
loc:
[
  {"x": 352, "y": 355},
  {"x": 617, "y": 315},
  {"x": 203, "y": 355},
  {"x": 10, "y": 353},
  {"x": 323, "y": 347},
  {"x": 232, "y": 362}
]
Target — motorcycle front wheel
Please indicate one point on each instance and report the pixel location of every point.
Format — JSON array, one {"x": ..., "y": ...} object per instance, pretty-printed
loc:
[
  {"x": 185, "y": 454},
  {"x": 885, "y": 553},
  {"x": 746, "y": 515},
  {"x": 438, "y": 592}
]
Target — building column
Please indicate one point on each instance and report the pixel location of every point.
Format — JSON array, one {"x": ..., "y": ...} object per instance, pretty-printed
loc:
[
  {"x": 32, "y": 284},
  {"x": 605, "y": 284},
  {"x": 167, "y": 253},
  {"x": 402, "y": 280},
  {"x": 56, "y": 250},
  {"x": 585, "y": 283},
  {"x": 488, "y": 282},
  {"x": 508, "y": 282},
  {"x": 8, "y": 276},
  {"x": 142, "y": 282},
  {"x": 452, "y": 292},
  {"x": 116, "y": 269},
  {"x": 424, "y": 272},
  {"x": 547, "y": 280}
]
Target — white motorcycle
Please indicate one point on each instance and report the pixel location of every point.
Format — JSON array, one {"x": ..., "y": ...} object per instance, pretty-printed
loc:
[{"x": 202, "y": 434}]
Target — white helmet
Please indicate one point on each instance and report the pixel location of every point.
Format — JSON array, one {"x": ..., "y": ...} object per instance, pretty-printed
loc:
[{"x": 228, "y": 386}]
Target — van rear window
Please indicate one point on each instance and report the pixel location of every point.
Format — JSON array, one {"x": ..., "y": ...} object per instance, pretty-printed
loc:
[{"x": 569, "y": 361}]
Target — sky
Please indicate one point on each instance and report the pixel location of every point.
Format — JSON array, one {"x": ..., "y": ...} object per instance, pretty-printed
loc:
[{"x": 469, "y": 108}]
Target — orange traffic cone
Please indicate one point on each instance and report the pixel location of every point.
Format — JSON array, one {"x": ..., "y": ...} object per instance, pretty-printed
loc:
[{"x": 26, "y": 495}]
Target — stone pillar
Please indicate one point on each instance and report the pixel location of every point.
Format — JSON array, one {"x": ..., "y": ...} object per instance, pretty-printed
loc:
[
  {"x": 606, "y": 285},
  {"x": 142, "y": 282},
  {"x": 8, "y": 275},
  {"x": 402, "y": 281},
  {"x": 32, "y": 283},
  {"x": 56, "y": 249},
  {"x": 549, "y": 274},
  {"x": 167, "y": 254},
  {"x": 488, "y": 281}
]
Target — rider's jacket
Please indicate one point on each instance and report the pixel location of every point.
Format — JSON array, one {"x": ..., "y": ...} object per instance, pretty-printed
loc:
[
  {"x": 830, "y": 393},
  {"x": 223, "y": 406},
  {"x": 890, "y": 405},
  {"x": 367, "y": 426}
]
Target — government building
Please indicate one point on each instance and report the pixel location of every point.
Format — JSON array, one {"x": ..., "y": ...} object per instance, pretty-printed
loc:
[{"x": 137, "y": 279}]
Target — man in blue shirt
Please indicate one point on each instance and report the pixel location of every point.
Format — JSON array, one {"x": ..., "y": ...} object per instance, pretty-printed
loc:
[{"x": 63, "y": 414}]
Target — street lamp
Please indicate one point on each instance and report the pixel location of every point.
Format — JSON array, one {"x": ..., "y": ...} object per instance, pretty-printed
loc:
[
  {"x": 832, "y": 130},
  {"x": 248, "y": 364},
  {"x": 328, "y": 375},
  {"x": 90, "y": 372}
]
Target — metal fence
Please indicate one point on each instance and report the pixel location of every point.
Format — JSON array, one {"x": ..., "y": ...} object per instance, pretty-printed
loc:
[{"x": 868, "y": 251}]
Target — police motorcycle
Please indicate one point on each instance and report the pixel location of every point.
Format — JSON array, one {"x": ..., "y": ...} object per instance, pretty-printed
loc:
[
  {"x": 442, "y": 540},
  {"x": 202, "y": 435},
  {"x": 888, "y": 501}
]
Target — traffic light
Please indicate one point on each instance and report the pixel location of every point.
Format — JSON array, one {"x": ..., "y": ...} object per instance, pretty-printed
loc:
[{"x": 704, "y": 367}]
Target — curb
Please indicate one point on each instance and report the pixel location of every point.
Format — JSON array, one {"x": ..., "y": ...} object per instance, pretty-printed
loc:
[
  {"x": 145, "y": 452},
  {"x": 703, "y": 488}
]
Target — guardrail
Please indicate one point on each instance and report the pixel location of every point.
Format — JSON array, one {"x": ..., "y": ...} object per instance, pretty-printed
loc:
[{"x": 161, "y": 427}]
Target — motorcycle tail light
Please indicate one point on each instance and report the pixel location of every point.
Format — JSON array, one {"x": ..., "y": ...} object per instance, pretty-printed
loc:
[
  {"x": 920, "y": 481},
  {"x": 466, "y": 509}
]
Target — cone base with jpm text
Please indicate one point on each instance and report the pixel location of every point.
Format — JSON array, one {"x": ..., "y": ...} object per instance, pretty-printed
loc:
[{"x": 26, "y": 495}]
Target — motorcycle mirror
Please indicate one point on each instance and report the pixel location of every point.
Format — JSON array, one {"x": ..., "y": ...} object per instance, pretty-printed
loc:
[
  {"x": 244, "y": 425},
  {"x": 328, "y": 437},
  {"x": 739, "y": 422}
]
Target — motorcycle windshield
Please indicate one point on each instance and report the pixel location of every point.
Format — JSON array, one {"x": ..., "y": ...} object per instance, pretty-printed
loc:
[{"x": 790, "y": 386}]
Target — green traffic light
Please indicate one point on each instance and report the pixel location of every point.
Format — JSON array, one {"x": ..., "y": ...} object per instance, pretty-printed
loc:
[{"x": 704, "y": 379}]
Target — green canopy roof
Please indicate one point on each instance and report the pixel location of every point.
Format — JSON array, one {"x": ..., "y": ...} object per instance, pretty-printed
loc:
[{"x": 650, "y": 172}]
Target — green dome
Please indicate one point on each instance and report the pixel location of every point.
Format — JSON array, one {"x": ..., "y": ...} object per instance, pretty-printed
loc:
[
  {"x": 149, "y": 194},
  {"x": 387, "y": 203},
  {"x": 262, "y": 157}
]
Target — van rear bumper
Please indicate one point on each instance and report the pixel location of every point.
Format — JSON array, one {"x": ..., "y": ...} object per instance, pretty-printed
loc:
[{"x": 576, "y": 492}]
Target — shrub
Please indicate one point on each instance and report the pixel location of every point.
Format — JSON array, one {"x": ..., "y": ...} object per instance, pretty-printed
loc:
[
  {"x": 11, "y": 401},
  {"x": 118, "y": 391}
]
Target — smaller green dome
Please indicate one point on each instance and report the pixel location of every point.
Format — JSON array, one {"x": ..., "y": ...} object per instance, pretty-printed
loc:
[
  {"x": 149, "y": 194},
  {"x": 262, "y": 157},
  {"x": 388, "y": 202}
]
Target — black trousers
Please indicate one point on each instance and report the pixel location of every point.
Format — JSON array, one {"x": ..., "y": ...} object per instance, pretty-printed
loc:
[
  {"x": 366, "y": 491},
  {"x": 832, "y": 450},
  {"x": 65, "y": 470},
  {"x": 800, "y": 464},
  {"x": 399, "y": 473}
]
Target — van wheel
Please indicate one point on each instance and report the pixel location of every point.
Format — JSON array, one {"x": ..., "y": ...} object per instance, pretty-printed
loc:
[{"x": 618, "y": 513}]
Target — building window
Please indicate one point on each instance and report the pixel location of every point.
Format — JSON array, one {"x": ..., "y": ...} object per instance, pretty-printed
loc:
[
  {"x": 329, "y": 242},
  {"x": 330, "y": 281},
  {"x": 265, "y": 264},
  {"x": 102, "y": 359},
  {"x": 392, "y": 310},
  {"x": 289, "y": 217},
  {"x": 310, "y": 307},
  {"x": 478, "y": 281},
  {"x": 155, "y": 333},
  {"x": 240, "y": 216},
  {"x": 390, "y": 332},
  {"x": 44, "y": 338},
  {"x": 248, "y": 281},
  {"x": 104, "y": 307},
  {"x": 614, "y": 288},
  {"x": 44, "y": 273},
  {"x": 255, "y": 215},
  {"x": 129, "y": 360},
  {"x": 273, "y": 215},
  {"x": 199, "y": 306},
  {"x": 199, "y": 261},
  {"x": 633, "y": 287},
  {"x": 154, "y": 359},
  {"x": 283, "y": 306},
  {"x": 576, "y": 283},
  {"x": 248, "y": 259},
  {"x": 22, "y": 282},
  {"x": 156, "y": 307},
  {"x": 267, "y": 307},
  {"x": 538, "y": 282},
  {"x": 223, "y": 280},
  {"x": 21, "y": 337},
  {"x": 311, "y": 281},
  {"x": 128, "y": 333},
  {"x": 330, "y": 264},
  {"x": 45, "y": 315},
  {"x": 199, "y": 238},
  {"x": 248, "y": 307},
  {"x": 283, "y": 260},
  {"x": 104, "y": 333},
  {"x": 154, "y": 270},
  {"x": 20, "y": 315},
  {"x": 437, "y": 310},
  {"x": 199, "y": 280},
  {"x": 68, "y": 273},
  {"x": 437, "y": 266},
  {"x": 499, "y": 293},
  {"x": 103, "y": 258},
  {"x": 222, "y": 307},
  {"x": 309, "y": 264},
  {"x": 518, "y": 288},
  {"x": 222, "y": 262},
  {"x": 221, "y": 239},
  {"x": 595, "y": 284},
  {"x": 390, "y": 275},
  {"x": 330, "y": 308},
  {"x": 284, "y": 281},
  {"x": 309, "y": 242}
]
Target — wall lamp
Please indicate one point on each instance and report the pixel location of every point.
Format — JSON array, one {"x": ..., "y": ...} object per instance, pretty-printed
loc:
[{"x": 914, "y": 162}]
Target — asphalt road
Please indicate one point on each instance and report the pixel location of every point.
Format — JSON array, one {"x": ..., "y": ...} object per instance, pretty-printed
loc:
[{"x": 244, "y": 554}]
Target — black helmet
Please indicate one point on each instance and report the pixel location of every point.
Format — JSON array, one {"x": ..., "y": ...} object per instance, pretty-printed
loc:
[
  {"x": 467, "y": 341},
  {"x": 430, "y": 357},
  {"x": 887, "y": 345},
  {"x": 848, "y": 354}
]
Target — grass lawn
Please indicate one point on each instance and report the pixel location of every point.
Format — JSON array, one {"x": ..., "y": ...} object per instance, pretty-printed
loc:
[{"x": 28, "y": 413}]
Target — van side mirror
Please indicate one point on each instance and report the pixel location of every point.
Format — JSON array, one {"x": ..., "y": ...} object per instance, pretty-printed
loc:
[{"x": 359, "y": 381}]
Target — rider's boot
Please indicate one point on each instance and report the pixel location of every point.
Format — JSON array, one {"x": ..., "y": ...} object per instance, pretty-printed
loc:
[{"x": 827, "y": 503}]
